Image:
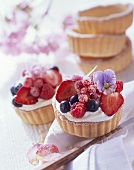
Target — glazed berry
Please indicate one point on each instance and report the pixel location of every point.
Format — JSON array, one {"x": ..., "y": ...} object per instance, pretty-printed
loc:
[
  {"x": 92, "y": 105},
  {"x": 16, "y": 104},
  {"x": 64, "y": 106},
  {"x": 74, "y": 99},
  {"x": 54, "y": 68}
]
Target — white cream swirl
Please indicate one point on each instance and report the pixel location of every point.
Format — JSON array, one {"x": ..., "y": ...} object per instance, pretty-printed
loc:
[
  {"x": 97, "y": 116},
  {"x": 40, "y": 103}
]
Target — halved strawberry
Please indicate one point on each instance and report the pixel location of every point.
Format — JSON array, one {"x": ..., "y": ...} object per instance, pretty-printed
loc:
[
  {"x": 65, "y": 90},
  {"x": 24, "y": 96},
  {"x": 52, "y": 77},
  {"x": 111, "y": 103}
]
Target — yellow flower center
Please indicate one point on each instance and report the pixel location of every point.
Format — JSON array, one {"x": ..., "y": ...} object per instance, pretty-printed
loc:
[{"x": 106, "y": 85}]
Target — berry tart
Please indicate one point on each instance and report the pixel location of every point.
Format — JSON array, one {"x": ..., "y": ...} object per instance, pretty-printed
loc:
[
  {"x": 32, "y": 95},
  {"x": 89, "y": 106}
]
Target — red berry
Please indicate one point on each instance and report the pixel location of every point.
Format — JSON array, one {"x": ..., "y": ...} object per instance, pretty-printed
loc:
[
  {"x": 83, "y": 98},
  {"x": 111, "y": 103},
  {"x": 24, "y": 96},
  {"x": 84, "y": 90},
  {"x": 35, "y": 91},
  {"x": 52, "y": 77},
  {"x": 28, "y": 82},
  {"x": 119, "y": 86},
  {"x": 78, "y": 110},
  {"x": 47, "y": 91},
  {"x": 78, "y": 85},
  {"x": 47, "y": 149},
  {"x": 38, "y": 83},
  {"x": 65, "y": 90},
  {"x": 91, "y": 89}
]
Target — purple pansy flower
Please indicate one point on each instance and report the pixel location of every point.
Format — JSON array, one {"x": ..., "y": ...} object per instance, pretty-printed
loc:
[{"x": 105, "y": 81}]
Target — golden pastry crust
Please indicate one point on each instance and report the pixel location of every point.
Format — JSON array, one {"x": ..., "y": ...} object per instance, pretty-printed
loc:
[
  {"x": 95, "y": 45},
  {"x": 109, "y": 19},
  {"x": 41, "y": 115},
  {"x": 116, "y": 63},
  {"x": 88, "y": 129}
]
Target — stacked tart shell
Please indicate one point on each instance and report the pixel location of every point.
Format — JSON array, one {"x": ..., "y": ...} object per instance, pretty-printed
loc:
[{"x": 99, "y": 37}]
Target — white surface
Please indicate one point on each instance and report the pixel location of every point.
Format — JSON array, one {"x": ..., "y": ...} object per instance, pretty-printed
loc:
[{"x": 15, "y": 136}]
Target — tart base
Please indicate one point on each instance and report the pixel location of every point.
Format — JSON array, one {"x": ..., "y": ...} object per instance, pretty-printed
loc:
[
  {"x": 116, "y": 63},
  {"x": 88, "y": 129},
  {"x": 41, "y": 115}
]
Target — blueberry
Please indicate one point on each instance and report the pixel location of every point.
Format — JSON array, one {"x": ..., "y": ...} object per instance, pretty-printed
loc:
[
  {"x": 64, "y": 106},
  {"x": 54, "y": 68},
  {"x": 12, "y": 89},
  {"x": 92, "y": 105},
  {"x": 74, "y": 99},
  {"x": 15, "y": 88},
  {"x": 16, "y": 104}
]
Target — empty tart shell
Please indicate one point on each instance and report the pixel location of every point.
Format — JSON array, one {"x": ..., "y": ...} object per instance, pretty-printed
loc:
[
  {"x": 109, "y": 19},
  {"x": 95, "y": 45},
  {"x": 88, "y": 129},
  {"x": 43, "y": 115},
  {"x": 116, "y": 63}
]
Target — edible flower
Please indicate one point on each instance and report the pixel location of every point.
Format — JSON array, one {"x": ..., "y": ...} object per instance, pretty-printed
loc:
[{"x": 105, "y": 81}]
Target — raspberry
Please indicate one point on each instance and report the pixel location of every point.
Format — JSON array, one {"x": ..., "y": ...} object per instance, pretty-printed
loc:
[
  {"x": 47, "y": 91},
  {"x": 91, "y": 89},
  {"x": 84, "y": 90},
  {"x": 93, "y": 96},
  {"x": 28, "y": 82},
  {"x": 35, "y": 91},
  {"x": 119, "y": 86},
  {"x": 78, "y": 110},
  {"x": 78, "y": 85},
  {"x": 83, "y": 98},
  {"x": 38, "y": 83}
]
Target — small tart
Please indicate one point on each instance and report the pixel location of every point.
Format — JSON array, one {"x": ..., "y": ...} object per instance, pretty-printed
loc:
[
  {"x": 95, "y": 45},
  {"x": 87, "y": 129},
  {"x": 43, "y": 115},
  {"x": 116, "y": 63},
  {"x": 109, "y": 19}
]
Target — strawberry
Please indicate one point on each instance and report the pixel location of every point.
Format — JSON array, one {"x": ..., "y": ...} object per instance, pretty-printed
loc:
[
  {"x": 47, "y": 91},
  {"x": 24, "y": 96},
  {"x": 65, "y": 90},
  {"x": 111, "y": 103},
  {"x": 78, "y": 110},
  {"x": 52, "y": 77},
  {"x": 119, "y": 86}
]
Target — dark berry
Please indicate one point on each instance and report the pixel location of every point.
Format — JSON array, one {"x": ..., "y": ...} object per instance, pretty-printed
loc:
[
  {"x": 92, "y": 105},
  {"x": 12, "y": 89},
  {"x": 15, "y": 88},
  {"x": 64, "y": 106},
  {"x": 16, "y": 104},
  {"x": 54, "y": 68},
  {"x": 74, "y": 99}
]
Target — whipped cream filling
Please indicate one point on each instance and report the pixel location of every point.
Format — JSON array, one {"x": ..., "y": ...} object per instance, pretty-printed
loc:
[
  {"x": 97, "y": 116},
  {"x": 40, "y": 103}
]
